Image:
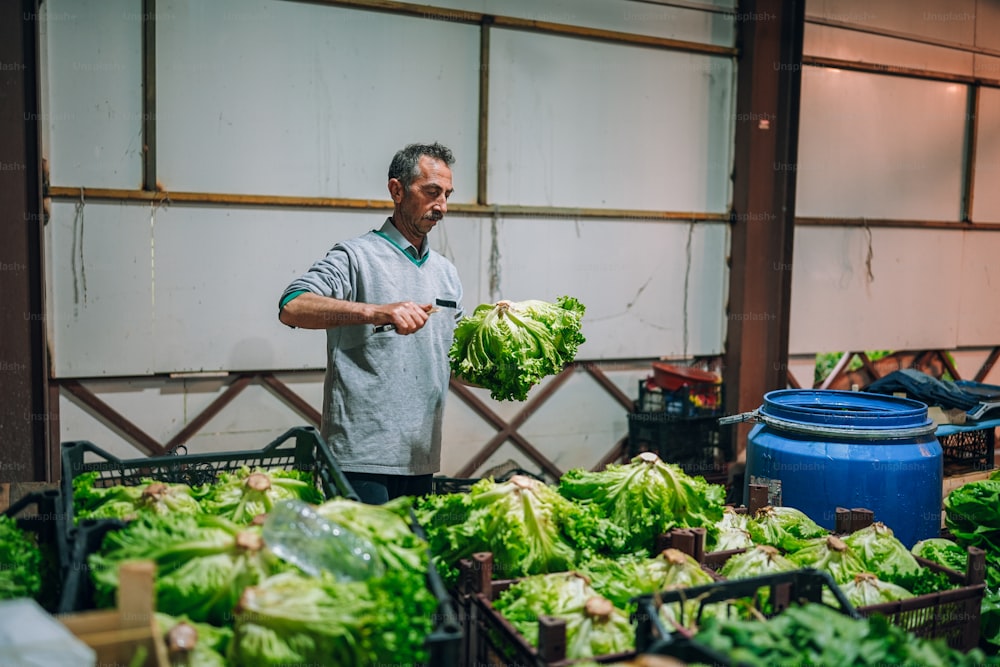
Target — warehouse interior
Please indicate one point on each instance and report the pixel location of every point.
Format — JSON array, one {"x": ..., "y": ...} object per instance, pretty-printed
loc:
[
  {"x": 744, "y": 215},
  {"x": 761, "y": 195}
]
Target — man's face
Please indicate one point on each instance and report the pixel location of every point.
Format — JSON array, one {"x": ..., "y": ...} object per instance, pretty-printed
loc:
[{"x": 419, "y": 207}]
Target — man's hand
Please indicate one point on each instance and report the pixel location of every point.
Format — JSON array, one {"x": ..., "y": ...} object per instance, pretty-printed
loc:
[
  {"x": 405, "y": 316},
  {"x": 312, "y": 311}
]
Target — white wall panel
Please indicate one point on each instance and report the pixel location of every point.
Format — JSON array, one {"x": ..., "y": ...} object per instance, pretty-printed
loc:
[
  {"x": 843, "y": 44},
  {"x": 979, "y": 291},
  {"x": 630, "y": 276},
  {"x": 577, "y": 123},
  {"x": 630, "y": 16},
  {"x": 986, "y": 196},
  {"x": 94, "y": 100},
  {"x": 879, "y": 146},
  {"x": 578, "y": 425},
  {"x": 136, "y": 290},
  {"x": 910, "y": 301},
  {"x": 101, "y": 317},
  {"x": 292, "y": 98},
  {"x": 944, "y": 20}
]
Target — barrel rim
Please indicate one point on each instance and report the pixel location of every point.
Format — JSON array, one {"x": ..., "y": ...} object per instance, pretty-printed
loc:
[{"x": 847, "y": 410}]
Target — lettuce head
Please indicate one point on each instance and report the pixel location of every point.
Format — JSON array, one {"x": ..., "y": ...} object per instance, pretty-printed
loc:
[
  {"x": 647, "y": 497},
  {"x": 509, "y": 346}
]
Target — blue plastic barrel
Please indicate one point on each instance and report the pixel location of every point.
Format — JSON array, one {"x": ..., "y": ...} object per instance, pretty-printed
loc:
[{"x": 818, "y": 450}]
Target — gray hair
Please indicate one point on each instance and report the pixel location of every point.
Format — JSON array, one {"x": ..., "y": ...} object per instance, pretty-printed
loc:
[{"x": 405, "y": 164}]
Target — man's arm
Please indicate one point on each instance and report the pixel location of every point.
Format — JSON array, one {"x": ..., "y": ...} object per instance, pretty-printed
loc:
[{"x": 312, "y": 311}]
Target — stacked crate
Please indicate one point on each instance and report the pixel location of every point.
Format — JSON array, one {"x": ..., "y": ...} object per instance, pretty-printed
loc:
[{"x": 677, "y": 417}]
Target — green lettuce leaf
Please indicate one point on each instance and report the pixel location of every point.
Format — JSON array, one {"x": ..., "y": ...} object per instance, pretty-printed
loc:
[
  {"x": 244, "y": 494},
  {"x": 594, "y": 626},
  {"x": 203, "y": 563},
  {"x": 943, "y": 552},
  {"x": 760, "y": 560},
  {"x": 508, "y": 347},
  {"x": 525, "y": 523},
  {"x": 623, "y": 578},
  {"x": 732, "y": 532},
  {"x": 881, "y": 551},
  {"x": 293, "y": 619},
  {"x": 830, "y": 554},
  {"x": 865, "y": 590},
  {"x": 20, "y": 562},
  {"x": 127, "y": 502},
  {"x": 647, "y": 497},
  {"x": 399, "y": 548},
  {"x": 200, "y": 644},
  {"x": 787, "y": 528}
]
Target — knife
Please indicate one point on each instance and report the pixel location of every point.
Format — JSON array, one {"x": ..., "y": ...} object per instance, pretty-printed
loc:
[{"x": 390, "y": 327}]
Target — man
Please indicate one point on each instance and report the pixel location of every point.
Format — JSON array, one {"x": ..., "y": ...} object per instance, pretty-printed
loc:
[{"x": 385, "y": 386}]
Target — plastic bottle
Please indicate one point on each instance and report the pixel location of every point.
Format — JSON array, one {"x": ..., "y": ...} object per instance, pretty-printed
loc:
[{"x": 296, "y": 533}]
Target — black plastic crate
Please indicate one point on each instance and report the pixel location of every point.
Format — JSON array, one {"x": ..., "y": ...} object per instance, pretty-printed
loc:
[
  {"x": 952, "y": 615},
  {"x": 40, "y": 514},
  {"x": 495, "y": 642},
  {"x": 968, "y": 450},
  {"x": 445, "y": 643},
  {"x": 694, "y": 444},
  {"x": 783, "y": 590},
  {"x": 703, "y": 399},
  {"x": 300, "y": 448},
  {"x": 441, "y": 485}
]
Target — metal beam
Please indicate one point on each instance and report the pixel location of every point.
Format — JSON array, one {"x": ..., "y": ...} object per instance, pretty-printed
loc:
[
  {"x": 24, "y": 450},
  {"x": 763, "y": 217},
  {"x": 199, "y": 421},
  {"x": 149, "y": 95},
  {"x": 987, "y": 366},
  {"x": 113, "y": 419},
  {"x": 291, "y": 399},
  {"x": 288, "y": 201}
]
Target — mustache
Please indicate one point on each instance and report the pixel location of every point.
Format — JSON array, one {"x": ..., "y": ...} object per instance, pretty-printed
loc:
[{"x": 433, "y": 215}]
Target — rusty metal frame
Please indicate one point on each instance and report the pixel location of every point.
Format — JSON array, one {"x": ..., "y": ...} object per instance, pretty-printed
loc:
[
  {"x": 128, "y": 430},
  {"x": 763, "y": 205},
  {"x": 920, "y": 360},
  {"x": 238, "y": 382},
  {"x": 24, "y": 392}
]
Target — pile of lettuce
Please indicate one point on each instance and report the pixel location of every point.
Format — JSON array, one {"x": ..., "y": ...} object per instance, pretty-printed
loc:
[
  {"x": 291, "y": 618},
  {"x": 20, "y": 562},
  {"x": 127, "y": 502},
  {"x": 239, "y": 496},
  {"x": 532, "y": 527},
  {"x": 972, "y": 516},
  {"x": 217, "y": 578},
  {"x": 871, "y": 565},
  {"x": 815, "y": 634},
  {"x": 526, "y": 524},
  {"x": 509, "y": 346}
]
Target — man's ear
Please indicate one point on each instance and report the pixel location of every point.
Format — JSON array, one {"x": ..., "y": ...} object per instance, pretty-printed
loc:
[{"x": 396, "y": 189}]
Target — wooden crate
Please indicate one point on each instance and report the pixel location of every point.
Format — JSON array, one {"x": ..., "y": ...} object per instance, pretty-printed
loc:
[{"x": 117, "y": 635}]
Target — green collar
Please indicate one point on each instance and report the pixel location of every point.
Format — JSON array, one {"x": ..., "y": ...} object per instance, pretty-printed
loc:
[{"x": 418, "y": 262}]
